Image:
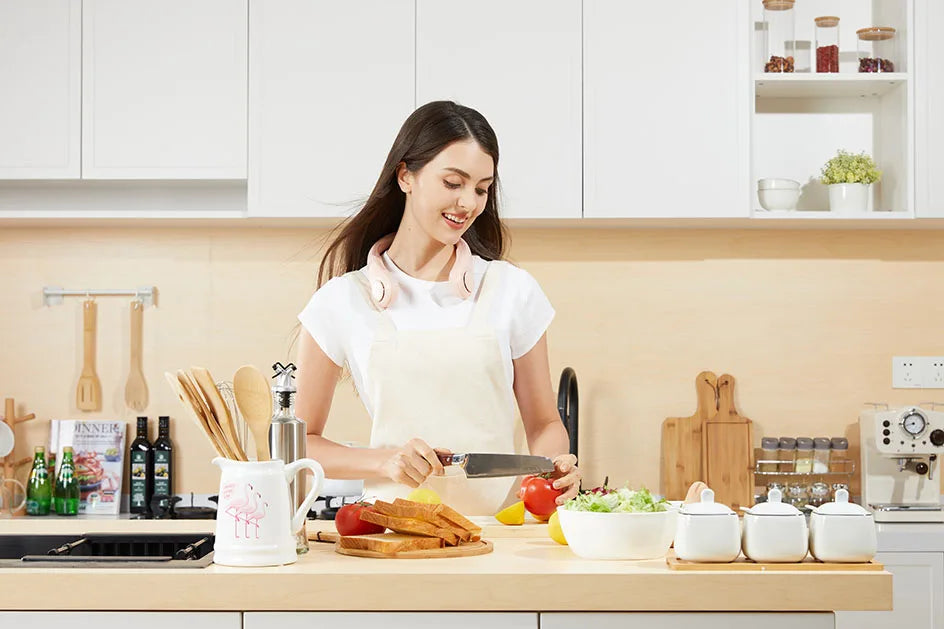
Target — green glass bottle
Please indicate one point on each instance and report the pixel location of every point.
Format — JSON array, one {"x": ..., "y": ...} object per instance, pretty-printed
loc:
[
  {"x": 67, "y": 486},
  {"x": 39, "y": 490}
]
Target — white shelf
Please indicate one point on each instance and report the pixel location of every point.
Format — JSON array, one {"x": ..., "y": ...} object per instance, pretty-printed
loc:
[
  {"x": 804, "y": 85},
  {"x": 826, "y": 215}
]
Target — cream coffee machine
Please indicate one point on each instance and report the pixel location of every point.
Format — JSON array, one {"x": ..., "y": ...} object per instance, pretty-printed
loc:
[{"x": 901, "y": 451}]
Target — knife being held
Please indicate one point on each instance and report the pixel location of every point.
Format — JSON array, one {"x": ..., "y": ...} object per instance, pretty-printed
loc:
[{"x": 483, "y": 465}]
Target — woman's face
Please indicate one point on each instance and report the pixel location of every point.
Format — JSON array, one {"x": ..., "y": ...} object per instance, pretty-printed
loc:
[{"x": 449, "y": 193}]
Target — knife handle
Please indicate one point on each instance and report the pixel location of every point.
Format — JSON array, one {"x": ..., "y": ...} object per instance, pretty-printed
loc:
[{"x": 447, "y": 458}]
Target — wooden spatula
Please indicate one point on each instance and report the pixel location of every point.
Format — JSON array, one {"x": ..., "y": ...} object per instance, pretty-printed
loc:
[
  {"x": 219, "y": 410},
  {"x": 194, "y": 413},
  {"x": 255, "y": 403},
  {"x": 136, "y": 391},
  {"x": 88, "y": 393}
]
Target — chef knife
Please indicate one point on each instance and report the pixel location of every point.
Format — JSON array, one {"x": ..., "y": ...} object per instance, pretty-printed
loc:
[{"x": 483, "y": 465}]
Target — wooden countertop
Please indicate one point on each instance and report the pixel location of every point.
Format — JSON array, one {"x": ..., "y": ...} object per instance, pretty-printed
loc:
[{"x": 526, "y": 571}]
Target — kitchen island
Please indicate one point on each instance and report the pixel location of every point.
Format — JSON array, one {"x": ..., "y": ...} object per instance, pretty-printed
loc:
[{"x": 527, "y": 572}]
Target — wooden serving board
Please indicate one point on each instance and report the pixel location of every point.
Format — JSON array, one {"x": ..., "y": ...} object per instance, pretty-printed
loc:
[
  {"x": 743, "y": 563},
  {"x": 682, "y": 438},
  {"x": 729, "y": 453},
  {"x": 481, "y": 547}
]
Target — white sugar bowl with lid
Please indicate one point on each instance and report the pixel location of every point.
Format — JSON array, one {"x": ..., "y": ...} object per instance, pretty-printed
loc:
[
  {"x": 707, "y": 531},
  {"x": 774, "y": 531},
  {"x": 842, "y": 531}
]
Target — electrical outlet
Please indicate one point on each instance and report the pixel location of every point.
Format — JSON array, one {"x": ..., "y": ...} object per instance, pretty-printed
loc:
[
  {"x": 932, "y": 373},
  {"x": 907, "y": 372}
]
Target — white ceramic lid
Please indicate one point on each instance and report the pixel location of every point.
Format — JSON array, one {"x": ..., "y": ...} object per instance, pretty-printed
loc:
[
  {"x": 842, "y": 506},
  {"x": 773, "y": 506},
  {"x": 707, "y": 505}
]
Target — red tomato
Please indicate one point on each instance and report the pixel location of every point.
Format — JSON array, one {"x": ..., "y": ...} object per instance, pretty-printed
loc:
[
  {"x": 539, "y": 495},
  {"x": 348, "y": 520}
]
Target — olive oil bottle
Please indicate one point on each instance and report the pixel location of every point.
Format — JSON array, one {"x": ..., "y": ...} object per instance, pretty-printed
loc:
[
  {"x": 142, "y": 470},
  {"x": 163, "y": 457}
]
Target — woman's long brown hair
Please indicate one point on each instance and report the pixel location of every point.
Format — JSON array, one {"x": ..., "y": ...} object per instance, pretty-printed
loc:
[{"x": 425, "y": 133}]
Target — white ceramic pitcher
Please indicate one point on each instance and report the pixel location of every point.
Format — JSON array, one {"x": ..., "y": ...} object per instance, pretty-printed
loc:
[{"x": 254, "y": 522}]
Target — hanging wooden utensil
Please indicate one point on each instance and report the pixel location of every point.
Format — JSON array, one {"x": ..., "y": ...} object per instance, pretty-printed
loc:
[
  {"x": 682, "y": 441},
  {"x": 729, "y": 452},
  {"x": 136, "y": 390},
  {"x": 88, "y": 393}
]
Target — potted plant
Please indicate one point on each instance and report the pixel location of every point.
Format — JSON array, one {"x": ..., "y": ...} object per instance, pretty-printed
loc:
[{"x": 848, "y": 176}]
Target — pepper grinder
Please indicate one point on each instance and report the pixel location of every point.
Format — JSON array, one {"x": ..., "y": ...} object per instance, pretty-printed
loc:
[{"x": 287, "y": 439}]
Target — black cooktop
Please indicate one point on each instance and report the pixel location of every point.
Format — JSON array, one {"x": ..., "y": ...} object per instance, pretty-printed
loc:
[{"x": 107, "y": 550}]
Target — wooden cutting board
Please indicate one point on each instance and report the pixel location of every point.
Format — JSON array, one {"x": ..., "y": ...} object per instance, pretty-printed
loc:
[
  {"x": 480, "y": 547},
  {"x": 728, "y": 451},
  {"x": 682, "y": 441},
  {"x": 743, "y": 563}
]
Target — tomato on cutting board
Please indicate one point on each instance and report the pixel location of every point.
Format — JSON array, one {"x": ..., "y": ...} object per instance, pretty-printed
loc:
[
  {"x": 539, "y": 495},
  {"x": 348, "y": 520}
]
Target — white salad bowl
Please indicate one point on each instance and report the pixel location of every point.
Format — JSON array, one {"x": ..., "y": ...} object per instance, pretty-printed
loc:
[{"x": 640, "y": 535}]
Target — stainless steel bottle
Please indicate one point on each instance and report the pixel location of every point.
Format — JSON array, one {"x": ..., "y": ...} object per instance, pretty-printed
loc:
[{"x": 287, "y": 437}]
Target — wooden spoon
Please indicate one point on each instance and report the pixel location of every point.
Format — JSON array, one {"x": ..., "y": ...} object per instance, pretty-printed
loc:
[
  {"x": 195, "y": 395},
  {"x": 219, "y": 409},
  {"x": 255, "y": 403}
]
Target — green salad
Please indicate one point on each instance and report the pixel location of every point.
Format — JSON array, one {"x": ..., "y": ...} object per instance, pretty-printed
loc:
[{"x": 624, "y": 500}]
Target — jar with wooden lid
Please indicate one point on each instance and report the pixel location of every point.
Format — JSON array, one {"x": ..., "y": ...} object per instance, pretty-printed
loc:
[
  {"x": 827, "y": 43},
  {"x": 781, "y": 41},
  {"x": 877, "y": 49}
]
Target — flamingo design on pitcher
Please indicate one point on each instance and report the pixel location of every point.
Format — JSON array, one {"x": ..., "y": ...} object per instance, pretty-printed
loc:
[
  {"x": 254, "y": 517},
  {"x": 240, "y": 505}
]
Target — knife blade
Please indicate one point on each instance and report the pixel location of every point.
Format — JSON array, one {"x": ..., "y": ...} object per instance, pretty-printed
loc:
[{"x": 485, "y": 465}]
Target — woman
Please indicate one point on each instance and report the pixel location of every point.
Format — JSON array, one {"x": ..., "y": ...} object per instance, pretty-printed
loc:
[{"x": 440, "y": 335}]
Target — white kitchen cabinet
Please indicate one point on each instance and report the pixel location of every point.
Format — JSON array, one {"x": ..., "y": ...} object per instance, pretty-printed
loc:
[
  {"x": 518, "y": 64},
  {"x": 389, "y": 620},
  {"x": 164, "y": 89},
  {"x": 929, "y": 108},
  {"x": 123, "y": 620},
  {"x": 330, "y": 83},
  {"x": 40, "y": 71},
  {"x": 702, "y": 620},
  {"x": 917, "y": 595},
  {"x": 666, "y": 118}
]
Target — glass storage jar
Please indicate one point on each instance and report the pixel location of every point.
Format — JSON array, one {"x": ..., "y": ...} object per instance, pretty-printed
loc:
[
  {"x": 797, "y": 495},
  {"x": 827, "y": 43},
  {"x": 787, "y": 454},
  {"x": 770, "y": 451},
  {"x": 779, "y": 17},
  {"x": 819, "y": 494},
  {"x": 877, "y": 49},
  {"x": 804, "y": 457},
  {"x": 839, "y": 455},
  {"x": 820, "y": 455}
]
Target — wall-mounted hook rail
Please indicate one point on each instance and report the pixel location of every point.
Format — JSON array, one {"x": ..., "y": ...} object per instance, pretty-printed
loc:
[{"x": 52, "y": 295}]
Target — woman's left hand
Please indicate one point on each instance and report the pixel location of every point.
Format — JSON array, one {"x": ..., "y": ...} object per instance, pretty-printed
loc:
[{"x": 567, "y": 477}]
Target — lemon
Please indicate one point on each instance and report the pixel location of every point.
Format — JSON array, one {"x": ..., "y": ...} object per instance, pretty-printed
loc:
[
  {"x": 511, "y": 515},
  {"x": 424, "y": 494},
  {"x": 554, "y": 529}
]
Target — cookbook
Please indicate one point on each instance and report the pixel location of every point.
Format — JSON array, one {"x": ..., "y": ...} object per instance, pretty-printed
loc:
[{"x": 98, "y": 451}]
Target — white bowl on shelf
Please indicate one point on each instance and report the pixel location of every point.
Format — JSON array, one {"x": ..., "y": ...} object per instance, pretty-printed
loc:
[
  {"x": 626, "y": 536},
  {"x": 778, "y": 194}
]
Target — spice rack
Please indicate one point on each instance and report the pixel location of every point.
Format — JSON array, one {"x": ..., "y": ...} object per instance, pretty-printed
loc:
[{"x": 849, "y": 464}]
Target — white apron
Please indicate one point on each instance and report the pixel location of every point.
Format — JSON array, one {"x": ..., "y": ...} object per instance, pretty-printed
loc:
[{"x": 447, "y": 387}]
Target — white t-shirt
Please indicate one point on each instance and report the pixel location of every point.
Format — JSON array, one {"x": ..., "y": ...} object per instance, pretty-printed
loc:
[{"x": 340, "y": 319}]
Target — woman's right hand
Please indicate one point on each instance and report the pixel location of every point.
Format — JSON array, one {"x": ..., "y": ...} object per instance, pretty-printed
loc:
[{"x": 412, "y": 463}]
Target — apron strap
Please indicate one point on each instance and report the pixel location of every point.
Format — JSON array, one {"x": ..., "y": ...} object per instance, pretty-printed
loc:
[
  {"x": 385, "y": 329},
  {"x": 491, "y": 280}
]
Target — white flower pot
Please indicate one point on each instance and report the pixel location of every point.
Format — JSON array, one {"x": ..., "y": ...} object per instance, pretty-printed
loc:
[{"x": 849, "y": 198}]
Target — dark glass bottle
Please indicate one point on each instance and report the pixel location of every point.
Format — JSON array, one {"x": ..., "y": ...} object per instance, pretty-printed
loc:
[
  {"x": 142, "y": 470},
  {"x": 67, "y": 485},
  {"x": 163, "y": 456},
  {"x": 39, "y": 490}
]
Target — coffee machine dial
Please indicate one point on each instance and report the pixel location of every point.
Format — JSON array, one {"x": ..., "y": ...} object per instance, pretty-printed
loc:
[{"x": 914, "y": 423}]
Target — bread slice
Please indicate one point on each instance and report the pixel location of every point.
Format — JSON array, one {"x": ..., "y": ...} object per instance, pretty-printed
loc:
[
  {"x": 389, "y": 543},
  {"x": 461, "y": 521},
  {"x": 421, "y": 511},
  {"x": 410, "y": 526}
]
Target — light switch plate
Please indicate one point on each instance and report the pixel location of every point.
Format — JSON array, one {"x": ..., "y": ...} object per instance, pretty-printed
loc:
[{"x": 907, "y": 372}]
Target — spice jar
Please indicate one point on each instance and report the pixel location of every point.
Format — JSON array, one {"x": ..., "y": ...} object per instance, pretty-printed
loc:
[
  {"x": 797, "y": 495},
  {"x": 827, "y": 43},
  {"x": 787, "y": 454},
  {"x": 779, "y": 16},
  {"x": 876, "y": 49},
  {"x": 804, "y": 456},
  {"x": 819, "y": 494},
  {"x": 770, "y": 450},
  {"x": 820, "y": 455},
  {"x": 839, "y": 455}
]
